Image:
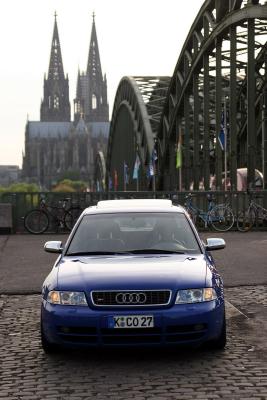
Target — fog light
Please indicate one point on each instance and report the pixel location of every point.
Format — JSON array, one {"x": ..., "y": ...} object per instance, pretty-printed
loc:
[
  {"x": 199, "y": 327},
  {"x": 64, "y": 329}
]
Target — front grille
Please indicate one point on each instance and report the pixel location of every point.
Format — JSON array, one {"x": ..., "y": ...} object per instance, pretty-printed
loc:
[
  {"x": 176, "y": 334},
  {"x": 132, "y": 298}
]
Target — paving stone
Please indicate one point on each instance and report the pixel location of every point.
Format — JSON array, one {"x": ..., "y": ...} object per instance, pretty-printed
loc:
[{"x": 239, "y": 372}]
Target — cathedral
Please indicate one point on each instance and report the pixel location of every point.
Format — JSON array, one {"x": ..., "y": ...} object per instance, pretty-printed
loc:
[{"x": 56, "y": 147}]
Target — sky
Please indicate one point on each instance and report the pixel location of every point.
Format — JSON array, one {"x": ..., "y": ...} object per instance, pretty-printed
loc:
[{"x": 135, "y": 38}]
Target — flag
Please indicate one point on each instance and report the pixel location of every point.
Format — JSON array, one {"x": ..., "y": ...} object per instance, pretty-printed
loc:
[
  {"x": 152, "y": 166},
  {"x": 179, "y": 152},
  {"x": 126, "y": 173},
  {"x": 221, "y": 137},
  {"x": 103, "y": 182},
  {"x": 110, "y": 183},
  {"x": 136, "y": 167},
  {"x": 115, "y": 180},
  {"x": 154, "y": 155},
  {"x": 150, "y": 170}
]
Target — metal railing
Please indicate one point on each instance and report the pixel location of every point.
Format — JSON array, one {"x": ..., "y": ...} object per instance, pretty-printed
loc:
[{"x": 23, "y": 202}]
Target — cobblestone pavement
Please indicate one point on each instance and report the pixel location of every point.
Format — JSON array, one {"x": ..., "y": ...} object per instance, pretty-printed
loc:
[{"x": 238, "y": 372}]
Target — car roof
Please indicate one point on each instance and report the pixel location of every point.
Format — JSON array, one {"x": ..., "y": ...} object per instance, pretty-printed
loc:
[{"x": 137, "y": 205}]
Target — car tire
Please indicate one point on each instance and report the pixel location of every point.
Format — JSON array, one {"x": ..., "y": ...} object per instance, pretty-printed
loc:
[{"x": 48, "y": 347}]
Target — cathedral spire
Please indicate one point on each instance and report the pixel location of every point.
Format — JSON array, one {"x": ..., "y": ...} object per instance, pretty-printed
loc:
[
  {"x": 94, "y": 64},
  {"x": 55, "y": 70},
  {"x": 91, "y": 95},
  {"x": 55, "y": 105}
]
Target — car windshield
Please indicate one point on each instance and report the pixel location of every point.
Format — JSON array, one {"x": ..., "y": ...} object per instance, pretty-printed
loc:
[{"x": 134, "y": 233}]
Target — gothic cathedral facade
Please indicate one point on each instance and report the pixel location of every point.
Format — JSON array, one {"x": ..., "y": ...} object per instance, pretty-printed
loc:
[{"x": 56, "y": 147}]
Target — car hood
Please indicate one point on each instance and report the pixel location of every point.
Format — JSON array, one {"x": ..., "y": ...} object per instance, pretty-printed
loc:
[{"x": 132, "y": 272}]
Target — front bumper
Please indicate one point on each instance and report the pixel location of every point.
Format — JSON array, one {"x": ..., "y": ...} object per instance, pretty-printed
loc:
[{"x": 187, "y": 324}]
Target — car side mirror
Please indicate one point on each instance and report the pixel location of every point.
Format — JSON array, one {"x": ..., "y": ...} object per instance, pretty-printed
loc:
[
  {"x": 53, "y": 246},
  {"x": 215, "y": 244}
]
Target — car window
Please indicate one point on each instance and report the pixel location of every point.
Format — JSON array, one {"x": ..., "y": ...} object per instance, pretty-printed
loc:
[{"x": 128, "y": 232}]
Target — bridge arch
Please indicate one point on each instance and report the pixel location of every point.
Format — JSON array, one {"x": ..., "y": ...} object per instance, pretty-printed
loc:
[
  {"x": 218, "y": 90},
  {"x": 133, "y": 131},
  {"x": 219, "y": 79}
]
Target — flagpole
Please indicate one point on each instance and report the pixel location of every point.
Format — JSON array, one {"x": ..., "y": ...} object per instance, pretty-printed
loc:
[
  {"x": 124, "y": 180},
  {"x": 225, "y": 146},
  {"x": 136, "y": 153},
  {"x": 180, "y": 152},
  {"x": 154, "y": 155},
  {"x": 154, "y": 177},
  {"x": 137, "y": 177}
]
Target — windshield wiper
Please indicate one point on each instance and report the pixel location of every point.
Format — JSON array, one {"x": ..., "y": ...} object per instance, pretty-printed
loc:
[
  {"x": 155, "y": 251},
  {"x": 96, "y": 253},
  {"x": 129, "y": 252}
]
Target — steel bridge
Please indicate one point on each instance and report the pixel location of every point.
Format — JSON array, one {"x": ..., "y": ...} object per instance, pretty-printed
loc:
[{"x": 219, "y": 87}]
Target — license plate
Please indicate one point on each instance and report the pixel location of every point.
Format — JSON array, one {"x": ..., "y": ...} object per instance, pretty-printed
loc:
[{"x": 131, "y": 321}]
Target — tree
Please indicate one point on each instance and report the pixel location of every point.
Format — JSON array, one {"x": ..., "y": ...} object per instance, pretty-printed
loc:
[
  {"x": 67, "y": 185},
  {"x": 20, "y": 187}
]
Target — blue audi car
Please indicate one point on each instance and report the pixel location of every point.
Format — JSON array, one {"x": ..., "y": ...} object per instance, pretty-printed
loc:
[{"x": 133, "y": 273}]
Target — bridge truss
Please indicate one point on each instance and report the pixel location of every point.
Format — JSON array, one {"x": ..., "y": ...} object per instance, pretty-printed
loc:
[
  {"x": 135, "y": 122},
  {"x": 219, "y": 85}
]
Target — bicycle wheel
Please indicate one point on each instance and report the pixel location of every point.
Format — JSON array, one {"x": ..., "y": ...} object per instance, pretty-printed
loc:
[
  {"x": 200, "y": 222},
  {"x": 221, "y": 218},
  {"x": 71, "y": 217},
  {"x": 245, "y": 220},
  {"x": 36, "y": 221},
  {"x": 192, "y": 215}
]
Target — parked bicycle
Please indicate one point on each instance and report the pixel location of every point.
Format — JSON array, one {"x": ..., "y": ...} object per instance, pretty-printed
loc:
[
  {"x": 219, "y": 216},
  {"x": 62, "y": 216},
  {"x": 255, "y": 213}
]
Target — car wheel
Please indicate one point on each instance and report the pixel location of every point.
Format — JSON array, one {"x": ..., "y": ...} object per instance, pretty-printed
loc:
[
  {"x": 48, "y": 347},
  {"x": 220, "y": 342}
]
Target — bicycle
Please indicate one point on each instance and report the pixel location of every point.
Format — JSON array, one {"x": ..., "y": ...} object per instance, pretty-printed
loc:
[
  {"x": 219, "y": 216},
  {"x": 37, "y": 221},
  {"x": 254, "y": 213}
]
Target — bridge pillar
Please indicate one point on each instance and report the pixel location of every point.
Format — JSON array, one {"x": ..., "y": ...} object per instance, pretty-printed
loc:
[
  {"x": 187, "y": 156},
  {"x": 206, "y": 144},
  {"x": 264, "y": 136},
  {"x": 196, "y": 124},
  {"x": 233, "y": 110},
  {"x": 251, "y": 126},
  {"x": 218, "y": 110}
]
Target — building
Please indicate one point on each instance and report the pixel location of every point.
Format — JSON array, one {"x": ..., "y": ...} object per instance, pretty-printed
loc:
[
  {"x": 9, "y": 174},
  {"x": 56, "y": 147}
]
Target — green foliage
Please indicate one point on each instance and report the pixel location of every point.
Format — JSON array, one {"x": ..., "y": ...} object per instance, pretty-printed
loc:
[
  {"x": 61, "y": 187},
  {"x": 67, "y": 185},
  {"x": 20, "y": 187}
]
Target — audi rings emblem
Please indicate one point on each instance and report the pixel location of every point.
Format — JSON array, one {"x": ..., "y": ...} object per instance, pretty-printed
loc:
[{"x": 131, "y": 298}]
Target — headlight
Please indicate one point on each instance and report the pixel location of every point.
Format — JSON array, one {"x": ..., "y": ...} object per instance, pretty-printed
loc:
[
  {"x": 195, "y": 295},
  {"x": 67, "y": 298}
]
